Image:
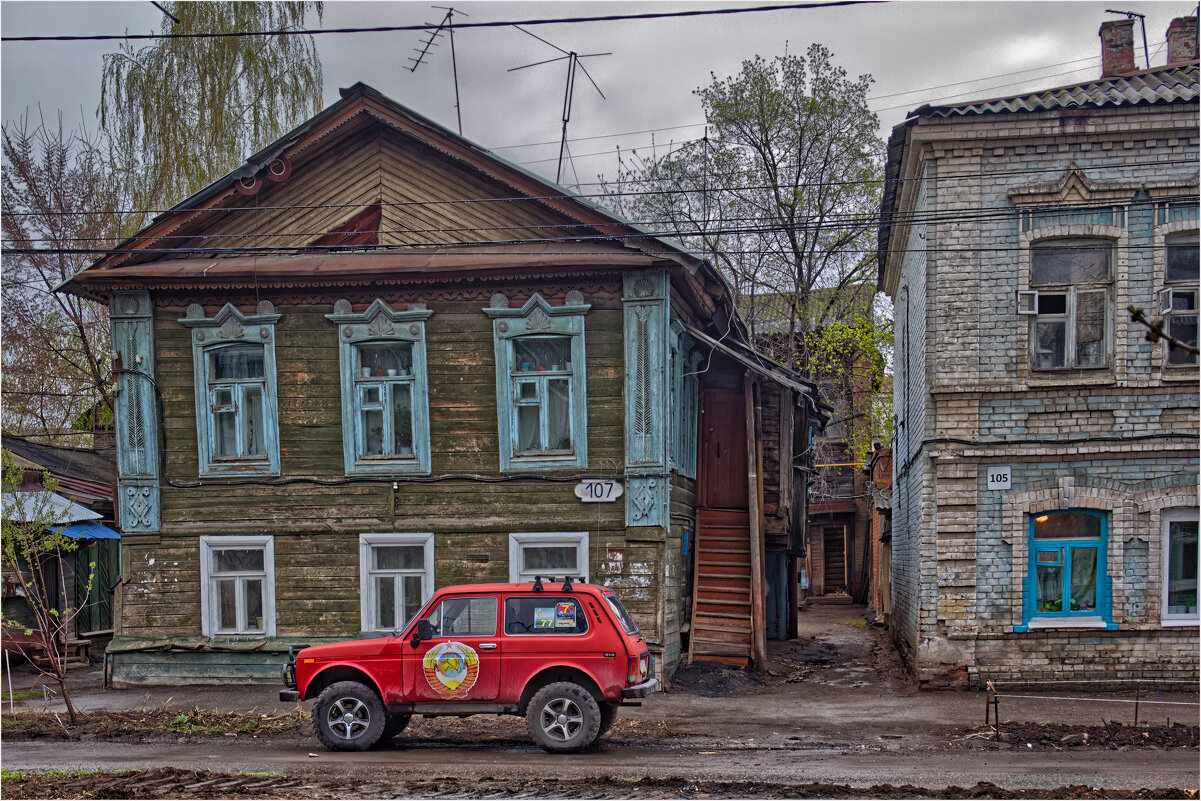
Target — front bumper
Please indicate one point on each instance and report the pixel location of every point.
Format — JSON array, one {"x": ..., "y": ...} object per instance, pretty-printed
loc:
[
  {"x": 289, "y": 695},
  {"x": 641, "y": 690}
]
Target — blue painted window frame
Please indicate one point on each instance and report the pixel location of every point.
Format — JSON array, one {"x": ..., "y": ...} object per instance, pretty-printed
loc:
[
  {"x": 380, "y": 325},
  {"x": 1063, "y": 550},
  {"x": 230, "y": 328},
  {"x": 539, "y": 319}
]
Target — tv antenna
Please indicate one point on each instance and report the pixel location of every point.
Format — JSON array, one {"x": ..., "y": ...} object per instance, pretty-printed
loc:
[
  {"x": 1142, "y": 21},
  {"x": 573, "y": 61},
  {"x": 448, "y": 25}
]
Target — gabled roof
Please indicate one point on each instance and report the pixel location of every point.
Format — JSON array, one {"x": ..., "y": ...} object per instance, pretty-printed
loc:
[
  {"x": 1171, "y": 84},
  {"x": 568, "y": 218}
]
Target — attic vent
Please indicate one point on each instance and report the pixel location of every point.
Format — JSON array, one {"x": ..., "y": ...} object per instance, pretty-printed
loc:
[{"x": 361, "y": 229}]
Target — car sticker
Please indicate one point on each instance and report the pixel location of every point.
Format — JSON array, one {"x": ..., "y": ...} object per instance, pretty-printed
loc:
[
  {"x": 544, "y": 617},
  {"x": 451, "y": 669},
  {"x": 565, "y": 615}
]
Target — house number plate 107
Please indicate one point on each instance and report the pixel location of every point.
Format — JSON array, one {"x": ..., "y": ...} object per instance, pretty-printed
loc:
[{"x": 598, "y": 491}]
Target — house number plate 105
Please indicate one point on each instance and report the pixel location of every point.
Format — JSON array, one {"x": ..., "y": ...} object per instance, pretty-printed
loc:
[
  {"x": 598, "y": 491},
  {"x": 999, "y": 478}
]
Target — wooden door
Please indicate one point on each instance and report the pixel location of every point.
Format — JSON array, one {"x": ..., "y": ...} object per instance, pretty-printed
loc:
[
  {"x": 834, "y": 542},
  {"x": 723, "y": 469}
]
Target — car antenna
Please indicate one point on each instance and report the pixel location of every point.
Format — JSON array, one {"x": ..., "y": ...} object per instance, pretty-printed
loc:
[{"x": 537, "y": 583}]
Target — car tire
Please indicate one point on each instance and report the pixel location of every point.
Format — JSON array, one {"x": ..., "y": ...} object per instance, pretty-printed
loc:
[
  {"x": 563, "y": 718},
  {"x": 395, "y": 725},
  {"x": 608, "y": 716},
  {"x": 348, "y": 716}
]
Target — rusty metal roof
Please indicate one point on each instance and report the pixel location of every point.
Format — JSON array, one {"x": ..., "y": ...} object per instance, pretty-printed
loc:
[{"x": 1172, "y": 84}]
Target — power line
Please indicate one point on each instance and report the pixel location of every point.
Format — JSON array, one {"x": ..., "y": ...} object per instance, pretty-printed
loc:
[
  {"x": 601, "y": 195},
  {"x": 429, "y": 26}
]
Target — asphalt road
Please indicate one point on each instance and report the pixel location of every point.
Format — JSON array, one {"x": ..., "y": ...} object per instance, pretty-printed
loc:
[{"x": 1131, "y": 769}]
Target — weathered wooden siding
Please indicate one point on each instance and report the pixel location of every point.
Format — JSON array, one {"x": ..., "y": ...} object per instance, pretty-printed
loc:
[{"x": 316, "y": 527}]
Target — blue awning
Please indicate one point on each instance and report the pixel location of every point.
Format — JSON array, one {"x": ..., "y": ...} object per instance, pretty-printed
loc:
[{"x": 87, "y": 530}]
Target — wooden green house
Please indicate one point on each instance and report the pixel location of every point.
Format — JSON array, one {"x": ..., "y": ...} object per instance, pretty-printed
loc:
[{"x": 378, "y": 359}]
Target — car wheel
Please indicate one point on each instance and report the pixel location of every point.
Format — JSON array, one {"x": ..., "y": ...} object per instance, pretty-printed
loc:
[
  {"x": 563, "y": 717},
  {"x": 608, "y": 716},
  {"x": 348, "y": 716},
  {"x": 395, "y": 725}
]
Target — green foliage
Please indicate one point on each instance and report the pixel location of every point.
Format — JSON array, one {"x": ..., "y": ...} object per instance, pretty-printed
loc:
[{"x": 183, "y": 112}]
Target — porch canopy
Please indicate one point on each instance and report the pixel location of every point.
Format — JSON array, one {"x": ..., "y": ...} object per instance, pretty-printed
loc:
[
  {"x": 87, "y": 530},
  {"x": 28, "y": 506}
]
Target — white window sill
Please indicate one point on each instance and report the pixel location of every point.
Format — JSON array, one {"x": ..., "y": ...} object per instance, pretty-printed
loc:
[
  {"x": 1067, "y": 623},
  {"x": 1179, "y": 622}
]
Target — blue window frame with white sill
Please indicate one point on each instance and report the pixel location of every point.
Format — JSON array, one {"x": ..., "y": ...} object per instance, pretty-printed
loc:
[
  {"x": 385, "y": 388},
  {"x": 540, "y": 387},
  {"x": 1067, "y": 584},
  {"x": 237, "y": 419}
]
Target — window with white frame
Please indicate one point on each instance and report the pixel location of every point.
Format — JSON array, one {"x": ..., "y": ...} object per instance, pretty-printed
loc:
[
  {"x": 237, "y": 586},
  {"x": 1180, "y": 567},
  {"x": 237, "y": 423},
  {"x": 541, "y": 398},
  {"x": 1178, "y": 300},
  {"x": 396, "y": 577},
  {"x": 385, "y": 395},
  {"x": 548, "y": 554},
  {"x": 1069, "y": 303}
]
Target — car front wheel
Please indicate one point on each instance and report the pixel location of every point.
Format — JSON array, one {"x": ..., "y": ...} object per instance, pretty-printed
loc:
[
  {"x": 348, "y": 716},
  {"x": 563, "y": 717}
]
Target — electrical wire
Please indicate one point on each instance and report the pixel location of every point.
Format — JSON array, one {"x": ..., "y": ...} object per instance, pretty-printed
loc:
[{"x": 429, "y": 26}]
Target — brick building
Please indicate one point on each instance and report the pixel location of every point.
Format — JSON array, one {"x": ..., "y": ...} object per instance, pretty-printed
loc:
[{"x": 1044, "y": 506}]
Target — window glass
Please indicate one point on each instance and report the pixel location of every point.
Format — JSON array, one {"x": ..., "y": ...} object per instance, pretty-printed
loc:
[
  {"x": 385, "y": 602},
  {"x": 1069, "y": 262},
  {"x": 1090, "y": 329},
  {"x": 541, "y": 354},
  {"x": 1182, "y": 567},
  {"x": 558, "y": 415},
  {"x": 1052, "y": 303},
  {"x": 1084, "y": 579},
  {"x": 226, "y": 433},
  {"x": 229, "y": 560},
  {"x": 560, "y": 559},
  {"x": 399, "y": 557},
  {"x": 627, "y": 622},
  {"x": 1066, "y": 525},
  {"x": 402, "y": 420},
  {"x": 1184, "y": 328},
  {"x": 465, "y": 617},
  {"x": 529, "y": 429},
  {"x": 544, "y": 614},
  {"x": 1050, "y": 587},
  {"x": 1050, "y": 339},
  {"x": 254, "y": 604},
  {"x": 393, "y": 360},
  {"x": 227, "y": 594},
  {"x": 236, "y": 362},
  {"x": 1182, "y": 258}
]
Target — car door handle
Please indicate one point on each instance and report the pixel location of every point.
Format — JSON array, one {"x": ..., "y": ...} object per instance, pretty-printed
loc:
[{"x": 487, "y": 646}]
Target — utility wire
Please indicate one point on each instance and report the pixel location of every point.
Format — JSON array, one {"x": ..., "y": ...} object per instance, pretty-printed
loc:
[
  {"x": 429, "y": 26},
  {"x": 602, "y": 195}
]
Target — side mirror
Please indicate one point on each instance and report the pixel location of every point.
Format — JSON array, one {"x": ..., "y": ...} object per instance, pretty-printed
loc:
[{"x": 424, "y": 631}]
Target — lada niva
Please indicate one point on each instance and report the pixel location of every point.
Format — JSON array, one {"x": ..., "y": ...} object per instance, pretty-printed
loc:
[{"x": 563, "y": 657}]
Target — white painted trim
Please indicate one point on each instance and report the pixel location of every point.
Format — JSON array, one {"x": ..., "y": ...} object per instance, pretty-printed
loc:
[
  {"x": 1166, "y": 519},
  {"x": 1067, "y": 623},
  {"x": 208, "y": 598},
  {"x": 578, "y": 539},
  {"x": 366, "y": 542}
]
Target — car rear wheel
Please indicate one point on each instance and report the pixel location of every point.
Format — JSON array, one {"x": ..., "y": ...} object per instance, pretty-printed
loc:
[
  {"x": 395, "y": 725},
  {"x": 563, "y": 717},
  {"x": 348, "y": 716}
]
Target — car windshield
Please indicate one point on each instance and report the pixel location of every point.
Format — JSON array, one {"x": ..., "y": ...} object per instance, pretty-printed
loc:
[{"x": 627, "y": 622}]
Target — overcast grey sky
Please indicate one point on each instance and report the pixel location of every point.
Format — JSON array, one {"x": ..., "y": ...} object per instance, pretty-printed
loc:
[{"x": 918, "y": 52}]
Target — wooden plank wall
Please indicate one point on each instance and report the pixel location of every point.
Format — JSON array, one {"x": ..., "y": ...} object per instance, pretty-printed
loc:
[{"x": 316, "y": 528}]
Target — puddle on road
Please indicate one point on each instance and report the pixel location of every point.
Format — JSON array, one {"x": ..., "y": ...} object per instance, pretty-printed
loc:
[{"x": 849, "y": 676}]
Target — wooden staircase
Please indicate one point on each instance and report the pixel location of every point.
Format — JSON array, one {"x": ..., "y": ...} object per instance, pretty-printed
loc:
[{"x": 721, "y": 597}]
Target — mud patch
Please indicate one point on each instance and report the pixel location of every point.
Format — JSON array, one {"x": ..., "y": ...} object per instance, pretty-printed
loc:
[
  {"x": 151, "y": 724},
  {"x": 177, "y": 783},
  {"x": 1056, "y": 737},
  {"x": 716, "y": 680}
]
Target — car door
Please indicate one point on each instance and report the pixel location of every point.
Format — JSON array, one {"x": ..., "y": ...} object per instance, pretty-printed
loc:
[{"x": 461, "y": 663}]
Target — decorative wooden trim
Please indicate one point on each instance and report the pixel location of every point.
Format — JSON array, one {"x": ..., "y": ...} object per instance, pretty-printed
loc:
[
  {"x": 137, "y": 423},
  {"x": 645, "y": 304}
]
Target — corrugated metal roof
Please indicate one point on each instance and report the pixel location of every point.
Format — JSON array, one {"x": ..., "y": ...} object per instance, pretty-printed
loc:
[
  {"x": 28, "y": 506},
  {"x": 1177, "y": 83}
]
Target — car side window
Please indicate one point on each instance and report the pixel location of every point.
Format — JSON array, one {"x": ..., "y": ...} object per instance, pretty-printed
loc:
[
  {"x": 465, "y": 617},
  {"x": 544, "y": 615}
]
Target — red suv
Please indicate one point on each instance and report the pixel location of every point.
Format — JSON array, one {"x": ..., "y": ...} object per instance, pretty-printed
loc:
[{"x": 564, "y": 657}]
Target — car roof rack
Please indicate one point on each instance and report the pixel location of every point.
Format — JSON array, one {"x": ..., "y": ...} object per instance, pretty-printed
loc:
[{"x": 566, "y": 582}]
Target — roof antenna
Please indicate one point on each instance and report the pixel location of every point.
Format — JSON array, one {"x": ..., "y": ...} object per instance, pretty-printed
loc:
[
  {"x": 1142, "y": 21},
  {"x": 573, "y": 61},
  {"x": 448, "y": 25}
]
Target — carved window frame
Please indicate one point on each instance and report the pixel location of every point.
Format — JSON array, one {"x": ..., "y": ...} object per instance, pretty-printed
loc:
[
  {"x": 231, "y": 327},
  {"x": 538, "y": 318},
  {"x": 380, "y": 325}
]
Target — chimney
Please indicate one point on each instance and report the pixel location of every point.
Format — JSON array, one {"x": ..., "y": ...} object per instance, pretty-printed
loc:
[
  {"x": 1182, "y": 40},
  {"x": 1117, "y": 47}
]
